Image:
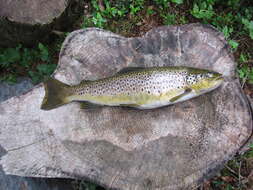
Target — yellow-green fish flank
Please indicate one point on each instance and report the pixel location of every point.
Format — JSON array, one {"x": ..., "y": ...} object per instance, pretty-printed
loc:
[{"x": 142, "y": 88}]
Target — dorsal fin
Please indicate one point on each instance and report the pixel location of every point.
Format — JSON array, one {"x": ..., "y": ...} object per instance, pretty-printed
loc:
[
  {"x": 85, "y": 81},
  {"x": 129, "y": 69}
]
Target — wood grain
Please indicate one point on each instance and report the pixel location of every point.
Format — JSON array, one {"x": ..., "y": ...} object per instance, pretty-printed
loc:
[{"x": 173, "y": 147}]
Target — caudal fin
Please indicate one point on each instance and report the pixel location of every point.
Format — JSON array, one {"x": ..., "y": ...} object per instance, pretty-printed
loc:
[{"x": 56, "y": 93}]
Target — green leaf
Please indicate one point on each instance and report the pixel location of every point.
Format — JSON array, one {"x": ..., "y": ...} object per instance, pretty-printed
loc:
[
  {"x": 229, "y": 187},
  {"x": 243, "y": 72},
  {"x": 248, "y": 26},
  {"x": 10, "y": 78},
  {"x": 28, "y": 56},
  {"x": 249, "y": 154},
  {"x": 10, "y": 55},
  {"x": 195, "y": 9},
  {"x": 210, "y": 2},
  {"x": 95, "y": 5},
  {"x": 218, "y": 183},
  {"x": 169, "y": 19},
  {"x": 177, "y": 1},
  {"x": 203, "y": 11},
  {"x": 251, "y": 76},
  {"x": 87, "y": 22},
  {"x": 120, "y": 13},
  {"x": 233, "y": 44},
  {"x": 44, "y": 54},
  {"x": 251, "y": 34},
  {"x": 134, "y": 10},
  {"x": 227, "y": 31},
  {"x": 183, "y": 20},
  {"x": 36, "y": 77},
  {"x": 243, "y": 58},
  {"x": 233, "y": 3},
  {"x": 162, "y": 3},
  {"x": 46, "y": 69},
  {"x": 150, "y": 11},
  {"x": 98, "y": 20}
]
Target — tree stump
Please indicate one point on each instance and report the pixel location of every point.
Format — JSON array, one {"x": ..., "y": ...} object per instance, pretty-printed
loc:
[
  {"x": 30, "y": 21},
  {"x": 173, "y": 147},
  {"x": 10, "y": 182}
]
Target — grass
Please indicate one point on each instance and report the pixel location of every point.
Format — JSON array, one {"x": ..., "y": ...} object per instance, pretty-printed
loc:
[
  {"x": 135, "y": 17},
  {"x": 236, "y": 175},
  {"x": 35, "y": 63}
]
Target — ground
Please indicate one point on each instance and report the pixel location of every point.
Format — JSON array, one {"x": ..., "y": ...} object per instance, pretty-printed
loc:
[{"x": 135, "y": 17}]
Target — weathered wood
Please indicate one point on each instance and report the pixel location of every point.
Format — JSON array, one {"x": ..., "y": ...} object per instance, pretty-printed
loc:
[
  {"x": 174, "y": 147},
  {"x": 10, "y": 182},
  {"x": 30, "y": 21}
]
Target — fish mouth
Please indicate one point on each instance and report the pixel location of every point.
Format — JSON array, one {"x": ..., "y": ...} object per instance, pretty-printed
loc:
[
  {"x": 219, "y": 78},
  {"x": 217, "y": 81}
]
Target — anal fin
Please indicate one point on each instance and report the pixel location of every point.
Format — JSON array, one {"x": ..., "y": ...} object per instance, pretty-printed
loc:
[
  {"x": 88, "y": 105},
  {"x": 129, "y": 105}
]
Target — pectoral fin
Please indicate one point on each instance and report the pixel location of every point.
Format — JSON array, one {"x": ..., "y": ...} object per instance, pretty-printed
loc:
[{"x": 186, "y": 92}]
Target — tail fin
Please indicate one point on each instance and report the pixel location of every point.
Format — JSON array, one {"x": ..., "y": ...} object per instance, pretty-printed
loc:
[{"x": 56, "y": 93}]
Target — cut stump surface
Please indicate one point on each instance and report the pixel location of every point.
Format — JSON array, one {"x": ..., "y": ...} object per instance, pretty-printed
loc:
[{"x": 173, "y": 147}]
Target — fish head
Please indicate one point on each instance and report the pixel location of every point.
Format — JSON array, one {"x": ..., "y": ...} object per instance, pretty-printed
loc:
[{"x": 202, "y": 81}]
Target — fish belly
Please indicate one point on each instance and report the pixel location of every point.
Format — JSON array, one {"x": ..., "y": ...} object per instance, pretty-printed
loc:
[
  {"x": 165, "y": 102},
  {"x": 154, "y": 104}
]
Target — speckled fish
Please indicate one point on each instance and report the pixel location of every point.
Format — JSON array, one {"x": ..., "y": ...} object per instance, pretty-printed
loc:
[{"x": 143, "y": 88}]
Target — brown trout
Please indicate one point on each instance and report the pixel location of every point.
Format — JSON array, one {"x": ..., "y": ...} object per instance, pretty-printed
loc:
[{"x": 143, "y": 88}]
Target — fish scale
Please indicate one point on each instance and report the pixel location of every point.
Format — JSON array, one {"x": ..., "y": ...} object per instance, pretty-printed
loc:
[
  {"x": 143, "y": 88},
  {"x": 148, "y": 82}
]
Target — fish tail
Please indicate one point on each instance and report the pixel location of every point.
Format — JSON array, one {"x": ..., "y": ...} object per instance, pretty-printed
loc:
[{"x": 56, "y": 94}]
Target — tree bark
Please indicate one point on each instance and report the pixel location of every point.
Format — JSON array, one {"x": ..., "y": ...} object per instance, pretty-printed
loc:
[
  {"x": 30, "y": 21},
  {"x": 174, "y": 147}
]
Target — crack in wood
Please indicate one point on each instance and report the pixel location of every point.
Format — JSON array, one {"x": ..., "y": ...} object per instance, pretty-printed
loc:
[{"x": 25, "y": 146}]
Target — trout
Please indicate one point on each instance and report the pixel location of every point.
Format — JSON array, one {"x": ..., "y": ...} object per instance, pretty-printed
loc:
[{"x": 142, "y": 88}]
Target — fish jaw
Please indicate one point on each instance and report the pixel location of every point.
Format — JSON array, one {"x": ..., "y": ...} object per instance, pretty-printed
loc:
[
  {"x": 205, "y": 81},
  {"x": 210, "y": 85}
]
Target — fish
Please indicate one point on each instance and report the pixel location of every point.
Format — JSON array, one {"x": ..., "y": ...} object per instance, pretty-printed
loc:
[{"x": 136, "y": 87}]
